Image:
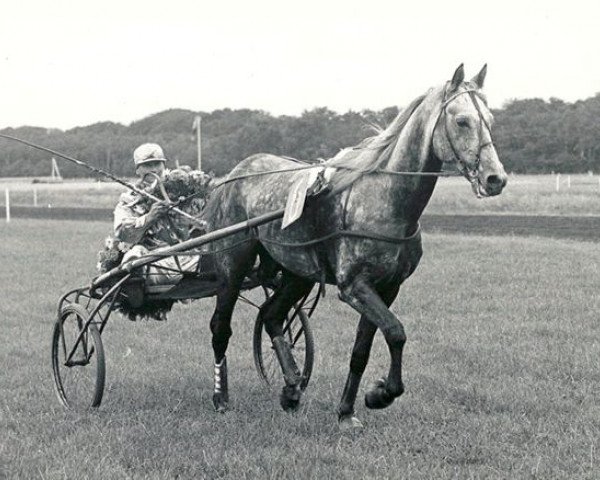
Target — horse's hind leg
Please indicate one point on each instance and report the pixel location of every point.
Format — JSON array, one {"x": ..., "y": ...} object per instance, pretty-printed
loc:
[
  {"x": 374, "y": 308},
  {"x": 273, "y": 313},
  {"x": 233, "y": 269}
]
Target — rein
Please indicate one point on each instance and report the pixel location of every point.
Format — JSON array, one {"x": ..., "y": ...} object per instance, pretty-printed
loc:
[
  {"x": 341, "y": 167},
  {"x": 464, "y": 169},
  {"x": 470, "y": 174}
]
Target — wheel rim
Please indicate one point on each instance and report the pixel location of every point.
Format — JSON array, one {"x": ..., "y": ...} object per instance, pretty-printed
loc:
[{"x": 78, "y": 382}]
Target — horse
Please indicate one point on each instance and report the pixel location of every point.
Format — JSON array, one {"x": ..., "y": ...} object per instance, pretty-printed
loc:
[{"x": 362, "y": 236}]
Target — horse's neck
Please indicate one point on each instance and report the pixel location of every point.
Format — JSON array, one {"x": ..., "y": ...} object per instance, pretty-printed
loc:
[{"x": 413, "y": 153}]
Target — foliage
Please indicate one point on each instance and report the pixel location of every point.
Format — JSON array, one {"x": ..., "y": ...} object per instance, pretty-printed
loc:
[
  {"x": 532, "y": 136},
  {"x": 535, "y": 136}
]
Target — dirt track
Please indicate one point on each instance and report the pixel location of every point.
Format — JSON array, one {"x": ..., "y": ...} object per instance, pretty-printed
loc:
[{"x": 581, "y": 227}]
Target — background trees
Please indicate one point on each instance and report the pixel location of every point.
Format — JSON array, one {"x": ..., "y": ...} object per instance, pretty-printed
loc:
[{"x": 532, "y": 136}]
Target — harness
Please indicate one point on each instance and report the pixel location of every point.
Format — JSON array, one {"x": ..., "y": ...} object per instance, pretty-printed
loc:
[
  {"x": 347, "y": 233},
  {"x": 469, "y": 174}
]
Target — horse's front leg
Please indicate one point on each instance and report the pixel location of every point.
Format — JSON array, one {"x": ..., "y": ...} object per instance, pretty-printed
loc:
[
  {"x": 361, "y": 296},
  {"x": 358, "y": 362}
]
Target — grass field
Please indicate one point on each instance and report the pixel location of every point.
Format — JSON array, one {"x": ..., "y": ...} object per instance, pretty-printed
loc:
[
  {"x": 525, "y": 194},
  {"x": 501, "y": 370}
]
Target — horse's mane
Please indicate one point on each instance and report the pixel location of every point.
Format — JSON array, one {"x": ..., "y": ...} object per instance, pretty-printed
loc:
[
  {"x": 350, "y": 164},
  {"x": 371, "y": 153}
]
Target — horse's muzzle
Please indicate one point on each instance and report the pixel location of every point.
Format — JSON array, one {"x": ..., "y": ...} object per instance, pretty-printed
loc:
[{"x": 494, "y": 184}]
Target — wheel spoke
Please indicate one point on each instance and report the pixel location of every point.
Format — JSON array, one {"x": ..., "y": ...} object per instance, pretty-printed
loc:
[{"x": 298, "y": 336}]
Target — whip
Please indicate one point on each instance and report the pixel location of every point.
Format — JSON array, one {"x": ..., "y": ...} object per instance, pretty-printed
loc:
[{"x": 125, "y": 183}]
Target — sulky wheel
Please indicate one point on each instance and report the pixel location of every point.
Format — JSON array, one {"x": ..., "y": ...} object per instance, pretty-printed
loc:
[
  {"x": 298, "y": 334},
  {"x": 79, "y": 381}
]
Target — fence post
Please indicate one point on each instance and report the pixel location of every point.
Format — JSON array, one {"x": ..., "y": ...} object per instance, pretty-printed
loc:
[
  {"x": 35, "y": 197},
  {"x": 558, "y": 182},
  {"x": 7, "y": 196}
]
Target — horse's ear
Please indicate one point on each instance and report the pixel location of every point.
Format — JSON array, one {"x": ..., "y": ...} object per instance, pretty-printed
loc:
[
  {"x": 480, "y": 77},
  {"x": 458, "y": 77}
]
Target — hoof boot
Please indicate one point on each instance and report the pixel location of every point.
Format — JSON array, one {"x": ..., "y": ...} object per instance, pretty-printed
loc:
[{"x": 290, "y": 398}]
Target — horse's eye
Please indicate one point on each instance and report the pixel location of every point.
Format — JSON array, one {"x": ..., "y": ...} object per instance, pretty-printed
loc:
[{"x": 462, "y": 120}]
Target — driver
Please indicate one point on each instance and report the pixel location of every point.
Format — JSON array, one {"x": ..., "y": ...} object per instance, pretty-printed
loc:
[{"x": 145, "y": 226}]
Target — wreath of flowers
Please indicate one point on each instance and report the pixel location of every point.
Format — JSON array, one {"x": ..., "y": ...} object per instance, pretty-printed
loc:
[{"x": 188, "y": 188}]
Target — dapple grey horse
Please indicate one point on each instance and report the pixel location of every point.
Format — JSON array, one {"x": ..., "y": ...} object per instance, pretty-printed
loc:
[{"x": 363, "y": 236}]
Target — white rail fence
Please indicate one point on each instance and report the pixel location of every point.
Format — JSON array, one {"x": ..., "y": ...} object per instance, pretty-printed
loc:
[
  {"x": 7, "y": 203},
  {"x": 563, "y": 181},
  {"x": 34, "y": 196},
  {"x": 22, "y": 193}
]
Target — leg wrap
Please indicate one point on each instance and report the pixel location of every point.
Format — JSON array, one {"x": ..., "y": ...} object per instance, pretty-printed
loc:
[
  {"x": 291, "y": 373},
  {"x": 220, "y": 376}
]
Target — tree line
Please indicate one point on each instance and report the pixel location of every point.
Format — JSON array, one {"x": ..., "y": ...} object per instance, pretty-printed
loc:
[{"x": 531, "y": 136}]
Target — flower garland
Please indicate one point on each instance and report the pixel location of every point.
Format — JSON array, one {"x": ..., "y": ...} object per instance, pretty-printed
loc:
[{"x": 179, "y": 184}]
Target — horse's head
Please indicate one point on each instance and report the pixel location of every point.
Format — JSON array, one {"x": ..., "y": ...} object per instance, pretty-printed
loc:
[{"x": 462, "y": 134}]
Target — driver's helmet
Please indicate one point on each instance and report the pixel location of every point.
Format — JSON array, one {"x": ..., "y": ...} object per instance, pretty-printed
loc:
[{"x": 148, "y": 152}]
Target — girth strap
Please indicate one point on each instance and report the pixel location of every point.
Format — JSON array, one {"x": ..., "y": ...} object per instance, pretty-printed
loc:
[{"x": 346, "y": 233}]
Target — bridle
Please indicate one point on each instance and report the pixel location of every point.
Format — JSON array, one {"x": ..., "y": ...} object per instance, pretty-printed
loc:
[{"x": 463, "y": 168}]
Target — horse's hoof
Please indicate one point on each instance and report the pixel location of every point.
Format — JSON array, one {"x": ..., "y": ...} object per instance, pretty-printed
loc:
[
  {"x": 349, "y": 423},
  {"x": 220, "y": 403},
  {"x": 290, "y": 398},
  {"x": 378, "y": 397}
]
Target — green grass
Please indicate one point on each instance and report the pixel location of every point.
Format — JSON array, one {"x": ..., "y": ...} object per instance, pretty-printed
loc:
[
  {"x": 525, "y": 194},
  {"x": 501, "y": 370}
]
